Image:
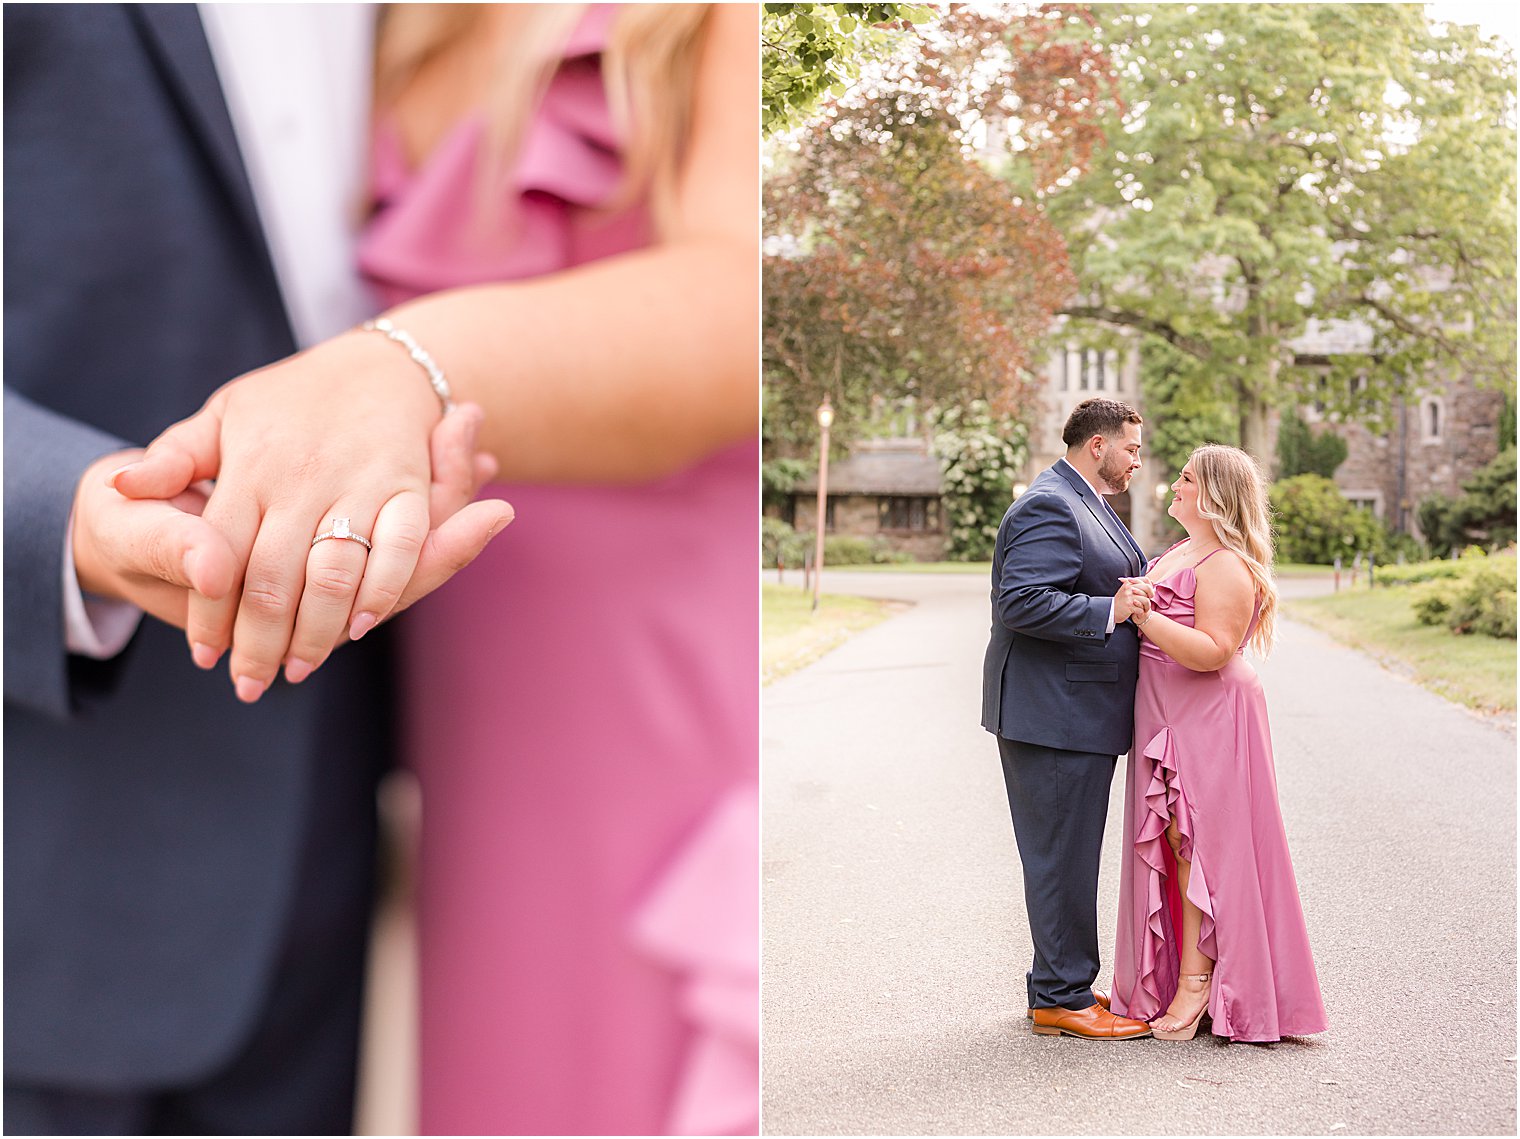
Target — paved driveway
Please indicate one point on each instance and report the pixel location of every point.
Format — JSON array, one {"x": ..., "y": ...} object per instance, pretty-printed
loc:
[{"x": 895, "y": 941}]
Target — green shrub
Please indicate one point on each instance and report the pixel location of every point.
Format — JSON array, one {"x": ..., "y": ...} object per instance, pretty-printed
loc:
[
  {"x": 778, "y": 477},
  {"x": 849, "y": 550},
  {"x": 1485, "y": 604},
  {"x": 1484, "y": 512},
  {"x": 792, "y": 547},
  {"x": 980, "y": 454},
  {"x": 1432, "y": 603},
  {"x": 1439, "y": 569},
  {"x": 1475, "y": 594},
  {"x": 780, "y": 543},
  {"x": 1315, "y": 523}
]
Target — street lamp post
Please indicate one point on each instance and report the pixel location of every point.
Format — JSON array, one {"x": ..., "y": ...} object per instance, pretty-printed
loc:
[{"x": 825, "y": 419}]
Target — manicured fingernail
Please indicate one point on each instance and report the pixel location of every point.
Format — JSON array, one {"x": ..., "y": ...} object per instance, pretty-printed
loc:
[
  {"x": 500, "y": 526},
  {"x": 249, "y": 689},
  {"x": 111, "y": 478},
  {"x": 362, "y": 624},
  {"x": 297, "y": 670},
  {"x": 204, "y": 655}
]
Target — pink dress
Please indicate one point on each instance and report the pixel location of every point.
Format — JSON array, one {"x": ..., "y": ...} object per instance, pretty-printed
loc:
[
  {"x": 580, "y": 707},
  {"x": 1203, "y": 753}
]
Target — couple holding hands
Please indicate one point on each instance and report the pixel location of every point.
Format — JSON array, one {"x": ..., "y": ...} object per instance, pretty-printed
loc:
[
  {"x": 548, "y": 213},
  {"x": 1094, "y": 652}
]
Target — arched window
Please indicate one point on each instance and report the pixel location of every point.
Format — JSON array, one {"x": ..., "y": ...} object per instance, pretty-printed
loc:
[{"x": 1432, "y": 419}]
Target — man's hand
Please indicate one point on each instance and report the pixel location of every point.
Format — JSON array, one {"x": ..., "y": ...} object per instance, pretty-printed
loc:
[
  {"x": 1134, "y": 598},
  {"x": 128, "y": 548},
  {"x": 152, "y": 553}
]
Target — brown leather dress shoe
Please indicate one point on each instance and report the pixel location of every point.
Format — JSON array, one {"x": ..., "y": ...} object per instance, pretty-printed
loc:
[
  {"x": 1100, "y": 995},
  {"x": 1094, "y": 1023}
]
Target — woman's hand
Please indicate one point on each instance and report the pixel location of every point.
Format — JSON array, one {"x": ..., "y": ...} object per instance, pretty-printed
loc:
[
  {"x": 1134, "y": 599},
  {"x": 339, "y": 431}
]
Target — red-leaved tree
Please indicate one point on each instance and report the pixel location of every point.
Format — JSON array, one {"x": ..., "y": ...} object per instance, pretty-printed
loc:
[{"x": 908, "y": 250}]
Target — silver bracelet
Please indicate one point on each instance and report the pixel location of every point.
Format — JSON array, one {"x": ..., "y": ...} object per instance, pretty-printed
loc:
[{"x": 404, "y": 338}]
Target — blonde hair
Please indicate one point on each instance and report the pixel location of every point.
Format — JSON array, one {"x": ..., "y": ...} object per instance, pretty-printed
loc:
[
  {"x": 1233, "y": 496},
  {"x": 649, "y": 70}
]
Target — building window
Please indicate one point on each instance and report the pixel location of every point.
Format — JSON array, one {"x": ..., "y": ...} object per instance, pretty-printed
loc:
[
  {"x": 1432, "y": 419},
  {"x": 1369, "y": 500},
  {"x": 905, "y": 512},
  {"x": 828, "y": 515},
  {"x": 1093, "y": 368}
]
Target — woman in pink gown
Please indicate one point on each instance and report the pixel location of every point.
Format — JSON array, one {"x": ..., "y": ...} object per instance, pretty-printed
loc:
[
  {"x": 1210, "y": 925},
  {"x": 580, "y": 704}
]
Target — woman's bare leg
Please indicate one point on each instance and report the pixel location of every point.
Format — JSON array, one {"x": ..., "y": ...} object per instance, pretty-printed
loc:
[{"x": 1191, "y": 996}]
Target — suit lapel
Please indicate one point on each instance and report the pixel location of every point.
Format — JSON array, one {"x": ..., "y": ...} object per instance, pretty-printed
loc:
[
  {"x": 177, "y": 42},
  {"x": 1104, "y": 514}
]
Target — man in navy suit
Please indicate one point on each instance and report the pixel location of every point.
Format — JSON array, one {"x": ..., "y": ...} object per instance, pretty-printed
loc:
[
  {"x": 188, "y": 877},
  {"x": 1058, "y": 691}
]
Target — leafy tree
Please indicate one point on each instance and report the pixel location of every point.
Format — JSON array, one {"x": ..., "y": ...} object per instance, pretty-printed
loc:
[
  {"x": 1269, "y": 164},
  {"x": 1183, "y": 410},
  {"x": 980, "y": 454},
  {"x": 1301, "y": 452},
  {"x": 897, "y": 264},
  {"x": 811, "y": 50},
  {"x": 778, "y": 477}
]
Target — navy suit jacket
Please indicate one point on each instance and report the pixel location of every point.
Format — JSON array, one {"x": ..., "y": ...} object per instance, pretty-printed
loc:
[
  {"x": 157, "y": 832},
  {"x": 1053, "y": 675}
]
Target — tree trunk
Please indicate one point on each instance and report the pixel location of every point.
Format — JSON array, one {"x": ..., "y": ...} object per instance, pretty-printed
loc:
[
  {"x": 1258, "y": 420},
  {"x": 1258, "y": 432}
]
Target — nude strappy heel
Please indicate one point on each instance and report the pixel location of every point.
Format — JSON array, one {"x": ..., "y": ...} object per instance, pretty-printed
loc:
[{"x": 1187, "y": 1031}]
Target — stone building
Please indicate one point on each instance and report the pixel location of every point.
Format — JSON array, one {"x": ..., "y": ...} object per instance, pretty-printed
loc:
[
  {"x": 887, "y": 488},
  {"x": 1070, "y": 376},
  {"x": 1438, "y": 440}
]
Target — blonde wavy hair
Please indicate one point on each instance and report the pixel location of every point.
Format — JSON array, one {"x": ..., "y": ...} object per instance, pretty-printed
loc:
[
  {"x": 1232, "y": 494},
  {"x": 649, "y": 69}
]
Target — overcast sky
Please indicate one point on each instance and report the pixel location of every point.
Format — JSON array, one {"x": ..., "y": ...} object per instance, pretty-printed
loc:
[{"x": 1495, "y": 17}]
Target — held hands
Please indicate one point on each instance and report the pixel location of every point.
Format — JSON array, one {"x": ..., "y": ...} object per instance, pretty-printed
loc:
[
  {"x": 235, "y": 566},
  {"x": 1134, "y": 600}
]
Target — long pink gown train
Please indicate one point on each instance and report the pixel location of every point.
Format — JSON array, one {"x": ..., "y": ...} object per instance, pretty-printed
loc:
[
  {"x": 580, "y": 709},
  {"x": 1203, "y": 753}
]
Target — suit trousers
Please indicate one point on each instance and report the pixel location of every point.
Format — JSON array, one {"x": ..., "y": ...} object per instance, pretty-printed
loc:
[{"x": 1059, "y": 803}]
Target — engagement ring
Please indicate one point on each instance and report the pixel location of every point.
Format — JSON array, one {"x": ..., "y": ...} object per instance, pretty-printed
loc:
[{"x": 340, "y": 529}]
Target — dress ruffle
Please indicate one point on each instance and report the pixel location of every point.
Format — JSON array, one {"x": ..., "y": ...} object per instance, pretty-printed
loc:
[
  {"x": 702, "y": 921},
  {"x": 550, "y": 213},
  {"x": 1165, "y": 799}
]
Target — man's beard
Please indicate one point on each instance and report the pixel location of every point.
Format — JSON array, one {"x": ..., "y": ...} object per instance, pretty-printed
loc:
[{"x": 1114, "y": 471}]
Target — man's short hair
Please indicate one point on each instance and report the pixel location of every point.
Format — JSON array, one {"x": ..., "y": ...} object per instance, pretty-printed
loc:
[{"x": 1097, "y": 416}]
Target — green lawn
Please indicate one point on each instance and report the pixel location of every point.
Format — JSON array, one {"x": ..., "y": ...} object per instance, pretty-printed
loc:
[
  {"x": 1476, "y": 671},
  {"x": 792, "y": 635},
  {"x": 1283, "y": 569},
  {"x": 982, "y": 568}
]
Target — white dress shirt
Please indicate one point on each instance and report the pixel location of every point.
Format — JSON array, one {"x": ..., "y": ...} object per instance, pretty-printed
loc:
[
  {"x": 296, "y": 78},
  {"x": 1095, "y": 490}
]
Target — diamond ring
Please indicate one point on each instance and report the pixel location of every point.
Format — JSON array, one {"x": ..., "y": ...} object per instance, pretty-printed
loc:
[{"x": 340, "y": 529}]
